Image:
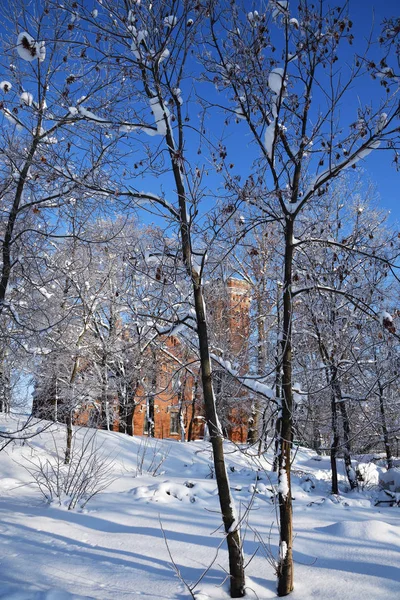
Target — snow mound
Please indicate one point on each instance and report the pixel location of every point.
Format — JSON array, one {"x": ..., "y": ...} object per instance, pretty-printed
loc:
[
  {"x": 370, "y": 530},
  {"x": 391, "y": 480},
  {"x": 168, "y": 491}
]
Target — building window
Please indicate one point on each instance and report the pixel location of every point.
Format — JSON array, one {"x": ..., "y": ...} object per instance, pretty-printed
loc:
[{"x": 174, "y": 421}]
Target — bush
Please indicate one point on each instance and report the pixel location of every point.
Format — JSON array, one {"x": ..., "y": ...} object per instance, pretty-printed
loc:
[{"x": 88, "y": 473}]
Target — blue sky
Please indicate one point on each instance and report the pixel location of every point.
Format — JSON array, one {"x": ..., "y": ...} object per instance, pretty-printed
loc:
[
  {"x": 378, "y": 165},
  {"x": 377, "y": 168}
]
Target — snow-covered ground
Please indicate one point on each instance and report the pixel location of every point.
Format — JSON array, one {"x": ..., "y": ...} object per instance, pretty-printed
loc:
[{"x": 345, "y": 548}]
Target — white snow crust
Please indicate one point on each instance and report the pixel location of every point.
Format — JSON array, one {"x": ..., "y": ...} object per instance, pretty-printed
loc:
[{"x": 346, "y": 548}]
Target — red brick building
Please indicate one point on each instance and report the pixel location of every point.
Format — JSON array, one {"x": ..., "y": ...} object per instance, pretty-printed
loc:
[
  {"x": 168, "y": 401},
  {"x": 177, "y": 405}
]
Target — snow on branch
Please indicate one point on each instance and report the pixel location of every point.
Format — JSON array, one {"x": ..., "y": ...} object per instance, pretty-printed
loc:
[
  {"x": 177, "y": 326},
  {"x": 5, "y": 86},
  {"x": 252, "y": 383},
  {"x": 143, "y": 198},
  {"x": 28, "y": 49},
  {"x": 279, "y": 7},
  {"x": 276, "y": 83},
  {"x": 161, "y": 116},
  {"x": 372, "y": 144}
]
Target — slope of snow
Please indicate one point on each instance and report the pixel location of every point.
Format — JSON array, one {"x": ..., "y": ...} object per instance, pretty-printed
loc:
[{"x": 345, "y": 548}]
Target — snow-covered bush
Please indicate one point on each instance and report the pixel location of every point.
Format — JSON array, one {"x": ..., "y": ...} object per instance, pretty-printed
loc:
[
  {"x": 89, "y": 472},
  {"x": 367, "y": 475},
  {"x": 150, "y": 457}
]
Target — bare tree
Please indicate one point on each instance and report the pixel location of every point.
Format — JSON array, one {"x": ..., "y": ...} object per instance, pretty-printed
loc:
[{"x": 272, "y": 84}]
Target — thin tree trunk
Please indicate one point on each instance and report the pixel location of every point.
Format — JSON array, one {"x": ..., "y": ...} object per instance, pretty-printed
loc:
[
  {"x": 278, "y": 425},
  {"x": 192, "y": 416},
  {"x": 285, "y": 567},
  {"x": 263, "y": 437},
  {"x": 254, "y": 428},
  {"x": 236, "y": 564},
  {"x": 350, "y": 472},
  {"x": 74, "y": 372},
  {"x": 68, "y": 447},
  {"x": 104, "y": 408},
  {"x": 12, "y": 218},
  {"x": 334, "y": 444},
  {"x": 181, "y": 398},
  {"x": 278, "y": 387},
  {"x": 386, "y": 440},
  {"x": 129, "y": 406}
]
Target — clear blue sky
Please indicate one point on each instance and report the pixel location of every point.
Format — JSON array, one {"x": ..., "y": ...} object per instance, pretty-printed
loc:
[{"x": 378, "y": 164}]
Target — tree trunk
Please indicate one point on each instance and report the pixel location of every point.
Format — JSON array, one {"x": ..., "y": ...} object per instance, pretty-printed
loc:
[
  {"x": 104, "y": 407},
  {"x": 278, "y": 425},
  {"x": 278, "y": 387},
  {"x": 254, "y": 428},
  {"x": 386, "y": 440},
  {"x": 263, "y": 437},
  {"x": 150, "y": 415},
  {"x": 334, "y": 444},
  {"x": 350, "y": 472},
  {"x": 129, "y": 406},
  {"x": 193, "y": 414},
  {"x": 181, "y": 399},
  {"x": 5, "y": 387},
  {"x": 68, "y": 448},
  {"x": 236, "y": 564},
  {"x": 285, "y": 567}
]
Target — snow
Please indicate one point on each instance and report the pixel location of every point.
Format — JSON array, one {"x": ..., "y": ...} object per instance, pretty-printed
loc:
[
  {"x": 279, "y": 7},
  {"x": 5, "y": 86},
  {"x": 363, "y": 153},
  {"x": 391, "y": 480},
  {"x": 359, "y": 155},
  {"x": 381, "y": 123},
  {"x": 164, "y": 55},
  {"x": 269, "y": 137},
  {"x": 275, "y": 80},
  {"x": 170, "y": 21},
  {"x": 139, "y": 37},
  {"x": 253, "y": 383},
  {"x": 27, "y": 98},
  {"x": 283, "y": 550},
  {"x": 197, "y": 263},
  {"x": 88, "y": 114},
  {"x": 42, "y": 51},
  {"x": 275, "y": 83},
  {"x": 30, "y": 50},
  {"x": 345, "y": 548},
  {"x": 160, "y": 114},
  {"x": 11, "y": 119},
  {"x": 177, "y": 92},
  {"x": 45, "y": 292},
  {"x": 253, "y": 17},
  {"x": 283, "y": 487},
  {"x": 385, "y": 317}
]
